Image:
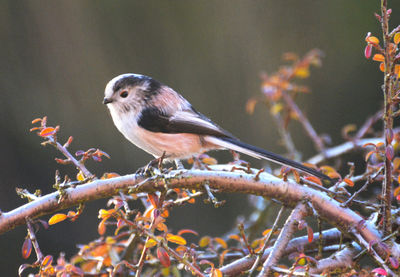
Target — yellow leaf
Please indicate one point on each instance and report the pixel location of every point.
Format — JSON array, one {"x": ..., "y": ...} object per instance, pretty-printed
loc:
[
  {"x": 275, "y": 109},
  {"x": 396, "y": 38},
  {"x": 80, "y": 176},
  {"x": 396, "y": 190},
  {"x": 150, "y": 243},
  {"x": 57, "y": 218},
  {"x": 221, "y": 242},
  {"x": 176, "y": 239},
  {"x": 204, "y": 241},
  {"x": 302, "y": 72},
  {"x": 209, "y": 161}
]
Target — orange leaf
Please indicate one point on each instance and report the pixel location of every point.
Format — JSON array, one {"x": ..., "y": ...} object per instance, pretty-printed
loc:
[
  {"x": 396, "y": 190},
  {"x": 250, "y": 105},
  {"x": 382, "y": 67},
  {"x": 234, "y": 237},
  {"x": 396, "y": 38},
  {"x": 221, "y": 242},
  {"x": 185, "y": 231},
  {"x": 348, "y": 182},
  {"x": 163, "y": 256},
  {"x": 379, "y": 58},
  {"x": 266, "y": 232},
  {"x": 165, "y": 213},
  {"x": 47, "y": 261},
  {"x": 204, "y": 241},
  {"x": 162, "y": 227},
  {"x": 216, "y": 273},
  {"x": 153, "y": 198},
  {"x": 36, "y": 120},
  {"x": 314, "y": 180},
  {"x": 372, "y": 40},
  {"x": 101, "y": 229},
  {"x": 176, "y": 239},
  {"x": 26, "y": 248},
  {"x": 396, "y": 163},
  {"x": 310, "y": 234},
  {"x": 49, "y": 131},
  {"x": 57, "y": 218}
]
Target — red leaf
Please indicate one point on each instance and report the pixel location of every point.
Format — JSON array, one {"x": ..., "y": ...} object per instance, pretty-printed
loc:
[
  {"x": 163, "y": 256},
  {"x": 314, "y": 180},
  {"x": 26, "y": 248},
  {"x": 394, "y": 262},
  {"x": 389, "y": 152},
  {"x": 380, "y": 271},
  {"x": 368, "y": 51}
]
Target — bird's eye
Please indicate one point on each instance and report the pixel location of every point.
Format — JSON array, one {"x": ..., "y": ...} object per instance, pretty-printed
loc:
[{"x": 124, "y": 94}]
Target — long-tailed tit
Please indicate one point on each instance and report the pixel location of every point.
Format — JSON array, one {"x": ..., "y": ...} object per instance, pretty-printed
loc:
[{"x": 157, "y": 119}]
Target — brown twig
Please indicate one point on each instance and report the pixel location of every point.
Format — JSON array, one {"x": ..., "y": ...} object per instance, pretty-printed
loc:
[{"x": 298, "y": 213}]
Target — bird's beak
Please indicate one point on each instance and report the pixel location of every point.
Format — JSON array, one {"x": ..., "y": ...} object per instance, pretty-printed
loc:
[{"x": 107, "y": 101}]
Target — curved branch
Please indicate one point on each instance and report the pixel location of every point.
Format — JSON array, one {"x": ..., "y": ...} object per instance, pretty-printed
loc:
[{"x": 288, "y": 192}]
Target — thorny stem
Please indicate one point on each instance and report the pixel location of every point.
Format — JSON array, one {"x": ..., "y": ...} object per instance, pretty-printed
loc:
[
  {"x": 388, "y": 122},
  {"x": 70, "y": 157},
  {"x": 298, "y": 213}
]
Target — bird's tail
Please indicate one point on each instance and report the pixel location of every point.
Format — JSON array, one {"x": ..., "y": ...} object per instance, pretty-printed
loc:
[{"x": 259, "y": 153}]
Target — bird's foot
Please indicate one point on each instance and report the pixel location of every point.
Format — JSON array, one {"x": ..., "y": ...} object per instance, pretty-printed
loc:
[{"x": 153, "y": 168}]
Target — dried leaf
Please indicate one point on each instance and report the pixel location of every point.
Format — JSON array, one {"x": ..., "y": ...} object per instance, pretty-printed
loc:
[
  {"x": 266, "y": 232},
  {"x": 26, "y": 248},
  {"x": 209, "y": 161},
  {"x": 176, "y": 239},
  {"x": 163, "y": 257},
  {"x": 153, "y": 198},
  {"x": 57, "y": 218}
]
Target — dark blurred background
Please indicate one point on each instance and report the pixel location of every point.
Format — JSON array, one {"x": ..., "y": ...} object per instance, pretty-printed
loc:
[{"x": 57, "y": 56}]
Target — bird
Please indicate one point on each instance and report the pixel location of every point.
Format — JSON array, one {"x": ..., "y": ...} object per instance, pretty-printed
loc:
[{"x": 159, "y": 120}]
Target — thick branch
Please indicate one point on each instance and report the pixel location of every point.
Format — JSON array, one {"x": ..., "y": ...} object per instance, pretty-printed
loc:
[{"x": 287, "y": 192}]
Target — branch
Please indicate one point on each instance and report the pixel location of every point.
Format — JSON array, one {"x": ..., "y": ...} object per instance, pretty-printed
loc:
[
  {"x": 299, "y": 212},
  {"x": 330, "y": 237},
  {"x": 287, "y": 192}
]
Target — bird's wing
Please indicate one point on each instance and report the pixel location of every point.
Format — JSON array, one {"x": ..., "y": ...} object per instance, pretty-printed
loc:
[{"x": 183, "y": 121}]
